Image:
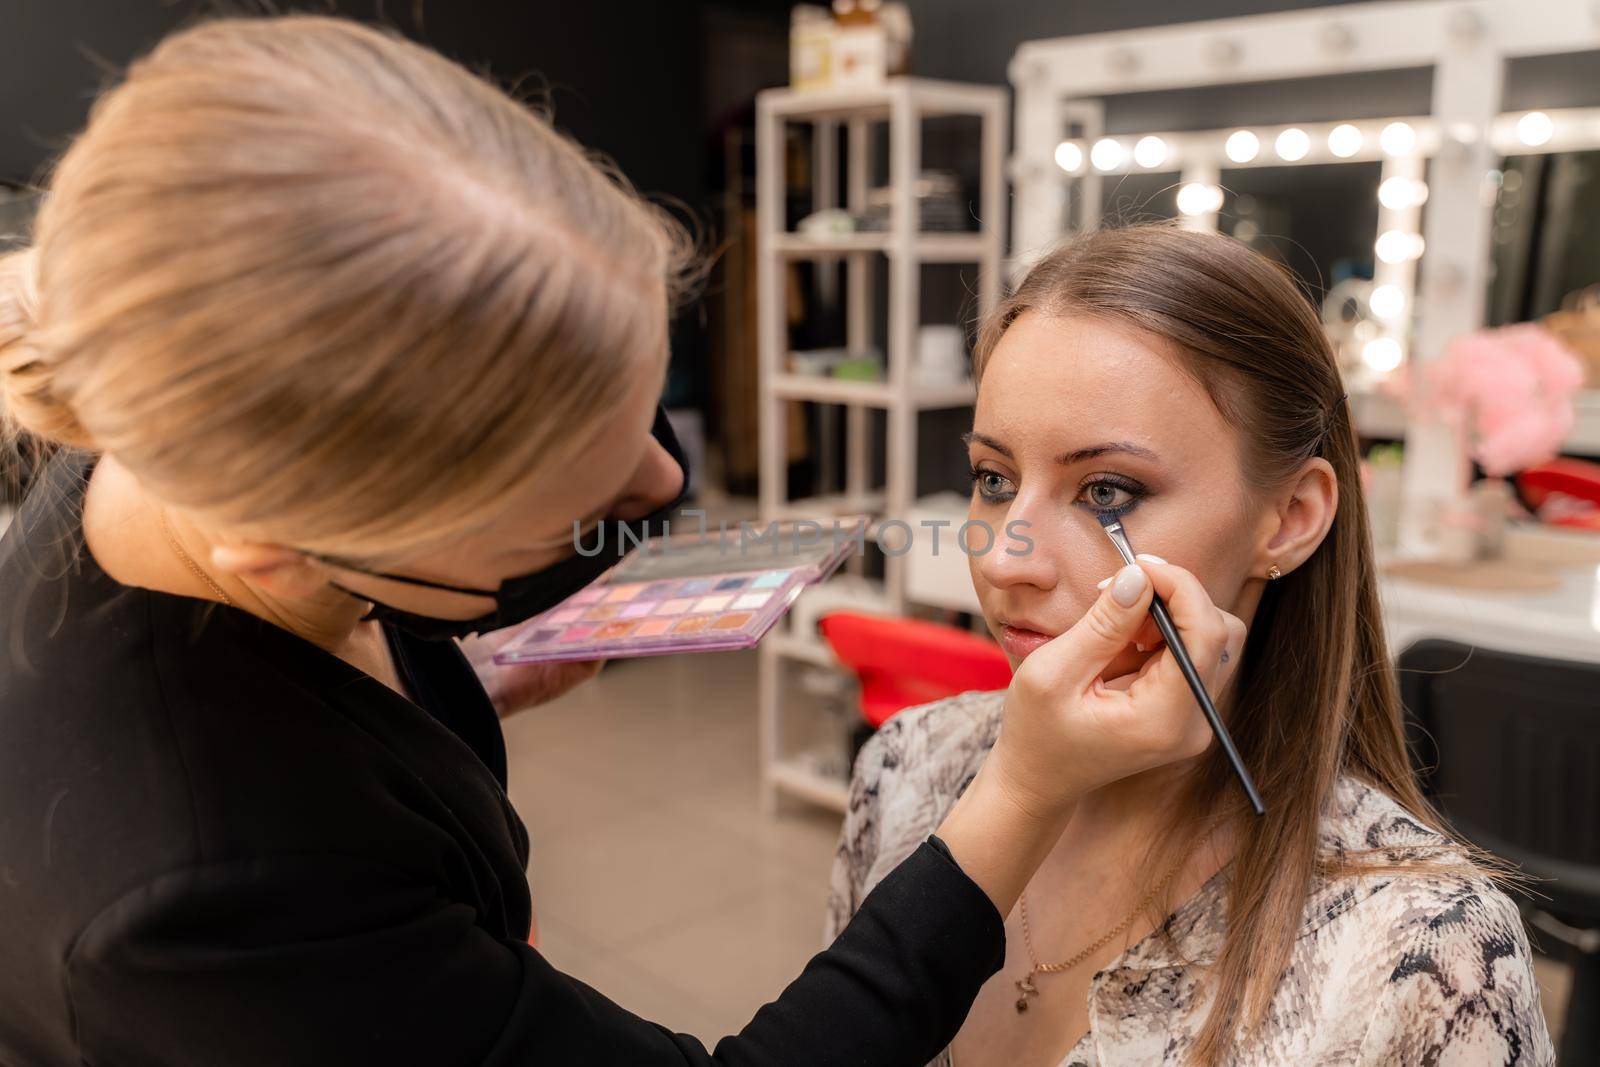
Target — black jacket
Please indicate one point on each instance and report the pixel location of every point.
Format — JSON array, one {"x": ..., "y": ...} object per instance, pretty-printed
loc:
[{"x": 221, "y": 845}]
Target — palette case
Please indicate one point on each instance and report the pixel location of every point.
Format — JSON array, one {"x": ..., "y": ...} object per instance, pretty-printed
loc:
[{"x": 710, "y": 591}]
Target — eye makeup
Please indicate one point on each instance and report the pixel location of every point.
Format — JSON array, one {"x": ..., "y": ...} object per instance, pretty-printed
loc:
[
  {"x": 1103, "y": 493},
  {"x": 699, "y": 598}
]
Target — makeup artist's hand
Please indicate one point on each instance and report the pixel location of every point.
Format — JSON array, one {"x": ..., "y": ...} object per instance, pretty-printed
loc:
[
  {"x": 1068, "y": 729},
  {"x": 513, "y": 687}
]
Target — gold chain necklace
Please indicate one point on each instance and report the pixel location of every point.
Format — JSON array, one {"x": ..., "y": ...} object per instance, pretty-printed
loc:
[
  {"x": 1025, "y": 986},
  {"x": 172, "y": 539}
]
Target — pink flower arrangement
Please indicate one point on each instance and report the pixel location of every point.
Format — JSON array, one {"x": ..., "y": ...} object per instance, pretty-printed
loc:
[{"x": 1510, "y": 390}]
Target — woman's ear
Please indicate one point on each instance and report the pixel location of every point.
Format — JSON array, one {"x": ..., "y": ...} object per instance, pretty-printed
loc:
[
  {"x": 1301, "y": 515},
  {"x": 279, "y": 570}
]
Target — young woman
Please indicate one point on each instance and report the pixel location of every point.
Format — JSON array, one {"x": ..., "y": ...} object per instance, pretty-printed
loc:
[
  {"x": 1180, "y": 381},
  {"x": 338, "y": 349}
]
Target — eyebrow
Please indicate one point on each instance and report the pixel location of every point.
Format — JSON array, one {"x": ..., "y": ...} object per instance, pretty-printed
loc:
[{"x": 1077, "y": 455}]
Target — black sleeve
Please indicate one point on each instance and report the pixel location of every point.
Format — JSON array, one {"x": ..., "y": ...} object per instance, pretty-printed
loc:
[{"x": 319, "y": 960}]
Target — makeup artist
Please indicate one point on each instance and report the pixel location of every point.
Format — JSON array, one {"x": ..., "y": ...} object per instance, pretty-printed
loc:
[{"x": 333, "y": 346}]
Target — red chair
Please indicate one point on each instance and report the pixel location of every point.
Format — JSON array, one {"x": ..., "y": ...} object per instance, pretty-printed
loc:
[
  {"x": 906, "y": 662},
  {"x": 1577, "y": 480}
]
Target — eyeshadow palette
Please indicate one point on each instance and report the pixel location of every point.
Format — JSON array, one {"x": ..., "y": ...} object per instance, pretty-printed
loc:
[{"x": 714, "y": 591}]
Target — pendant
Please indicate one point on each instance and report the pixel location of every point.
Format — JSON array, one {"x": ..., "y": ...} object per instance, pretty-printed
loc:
[{"x": 1025, "y": 987}]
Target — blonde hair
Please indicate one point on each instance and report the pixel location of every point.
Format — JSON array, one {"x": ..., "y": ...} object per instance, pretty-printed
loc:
[{"x": 302, "y": 276}]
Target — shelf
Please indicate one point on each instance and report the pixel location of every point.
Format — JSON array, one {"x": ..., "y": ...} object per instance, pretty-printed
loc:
[
  {"x": 1377, "y": 414},
  {"x": 798, "y": 648},
  {"x": 797, "y": 778},
  {"x": 928, "y": 96},
  {"x": 928, "y": 247},
  {"x": 830, "y": 504},
  {"x": 1381, "y": 415},
  {"x": 823, "y": 390}
]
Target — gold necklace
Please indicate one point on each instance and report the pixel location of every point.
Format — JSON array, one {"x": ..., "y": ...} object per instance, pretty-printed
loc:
[
  {"x": 172, "y": 539},
  {"x": 1025, "y": 986}
]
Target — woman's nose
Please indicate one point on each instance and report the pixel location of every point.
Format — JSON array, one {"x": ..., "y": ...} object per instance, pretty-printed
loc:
[
  {"x": 655, "y": 483},
  {"x": 1022, "y": 554}
]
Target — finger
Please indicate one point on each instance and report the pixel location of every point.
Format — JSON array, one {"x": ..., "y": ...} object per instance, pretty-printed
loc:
[
  {"x": 1149, "y": 638},
  {"x": 1077, "y": 657},
  {"x": 1232, "y": 653},
  {"x": 1199, "y": 621}
]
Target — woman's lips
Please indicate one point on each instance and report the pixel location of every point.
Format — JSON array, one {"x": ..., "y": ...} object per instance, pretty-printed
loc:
[{"x": 1019, "y": 642}]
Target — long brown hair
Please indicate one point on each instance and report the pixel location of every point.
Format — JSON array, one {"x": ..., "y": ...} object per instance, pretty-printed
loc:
[
  {"x": 320, "y": 285},
  {"x": 1316, "y": 696}
]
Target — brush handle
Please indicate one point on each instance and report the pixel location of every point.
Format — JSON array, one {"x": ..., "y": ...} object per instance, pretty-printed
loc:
[{"x": 1186, "y": 665}]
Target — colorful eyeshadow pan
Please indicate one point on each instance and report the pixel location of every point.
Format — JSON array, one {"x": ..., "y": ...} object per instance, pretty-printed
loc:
[{"x": 691, "y": 593}]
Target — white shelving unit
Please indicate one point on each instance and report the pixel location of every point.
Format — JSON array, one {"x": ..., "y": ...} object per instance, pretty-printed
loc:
[{"x": 902, "y": 104}]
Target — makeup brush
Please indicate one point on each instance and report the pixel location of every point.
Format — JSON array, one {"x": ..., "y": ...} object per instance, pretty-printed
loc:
[{"x": 1119, "y": 537}]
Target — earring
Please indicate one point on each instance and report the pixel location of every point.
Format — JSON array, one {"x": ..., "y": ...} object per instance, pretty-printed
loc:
[{"x": 1274, "y": 572}]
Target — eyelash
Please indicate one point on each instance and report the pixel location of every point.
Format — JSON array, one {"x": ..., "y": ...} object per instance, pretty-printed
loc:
[{"x": 1134, "y": 489}]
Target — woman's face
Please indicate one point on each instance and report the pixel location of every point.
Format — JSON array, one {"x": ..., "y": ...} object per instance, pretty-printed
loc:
[
  {"x": 622, "y": 473},
  {"x": 1079, "y": 416}
]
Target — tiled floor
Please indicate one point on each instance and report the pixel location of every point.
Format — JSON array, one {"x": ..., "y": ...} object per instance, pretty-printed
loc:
[{"x": 655, "y": 876}]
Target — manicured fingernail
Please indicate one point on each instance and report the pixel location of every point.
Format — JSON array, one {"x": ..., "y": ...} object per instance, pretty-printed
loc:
[
  {"x": 1102, "y": 583},
  {"x": 1129, "y": 585},
  {"x": 1148, "y": 558}
]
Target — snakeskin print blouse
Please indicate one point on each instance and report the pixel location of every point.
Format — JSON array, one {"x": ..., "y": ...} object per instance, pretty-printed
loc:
[{"x": 1388, "y": 969}]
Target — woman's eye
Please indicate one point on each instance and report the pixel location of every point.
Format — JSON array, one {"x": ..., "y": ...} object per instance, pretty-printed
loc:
[
  {"x": 1104, "y": 496},
  {"x": 991, "y": 486}
]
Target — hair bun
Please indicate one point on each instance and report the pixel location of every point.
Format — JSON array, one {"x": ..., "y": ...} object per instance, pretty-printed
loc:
[{"x": 26, "y": 398}]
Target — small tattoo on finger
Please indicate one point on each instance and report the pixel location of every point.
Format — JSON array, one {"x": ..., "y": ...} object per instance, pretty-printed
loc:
[{"x": 1224, "y": 655}]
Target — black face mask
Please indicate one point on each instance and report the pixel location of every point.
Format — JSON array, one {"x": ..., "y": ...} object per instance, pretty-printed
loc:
[{"x": 520, "y": 599}]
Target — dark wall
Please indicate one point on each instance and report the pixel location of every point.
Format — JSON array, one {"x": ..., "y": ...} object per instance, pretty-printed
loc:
[{"x": 624, "y": 77}]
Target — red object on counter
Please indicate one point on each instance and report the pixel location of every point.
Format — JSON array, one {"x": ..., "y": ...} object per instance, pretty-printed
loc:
[
  {"x": 906, "y": 662},
  {"x": 1577, "y": 480}
]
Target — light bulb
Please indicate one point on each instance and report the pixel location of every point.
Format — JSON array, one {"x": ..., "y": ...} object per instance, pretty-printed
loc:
[
  {"x": 1199, "y": 198},
  {"x": 1107, "y": 154},
  {"x": 1345, "y": 141},
  {"x": 1150, "y": 152},
  {"x": 1292, "y": 144},
  {"x": 1399, "y": 193},
  {"x": 1398, "y": 138},
  {"x": 1387, "y": 301},
  {"x": 1242, "y": 146},
  {"x": 1069, "y": 157},
  {"x": 1382, "y": 354},
  {"x": 1535, "y": 128},
  {"x": 1397, "y": 246}
]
